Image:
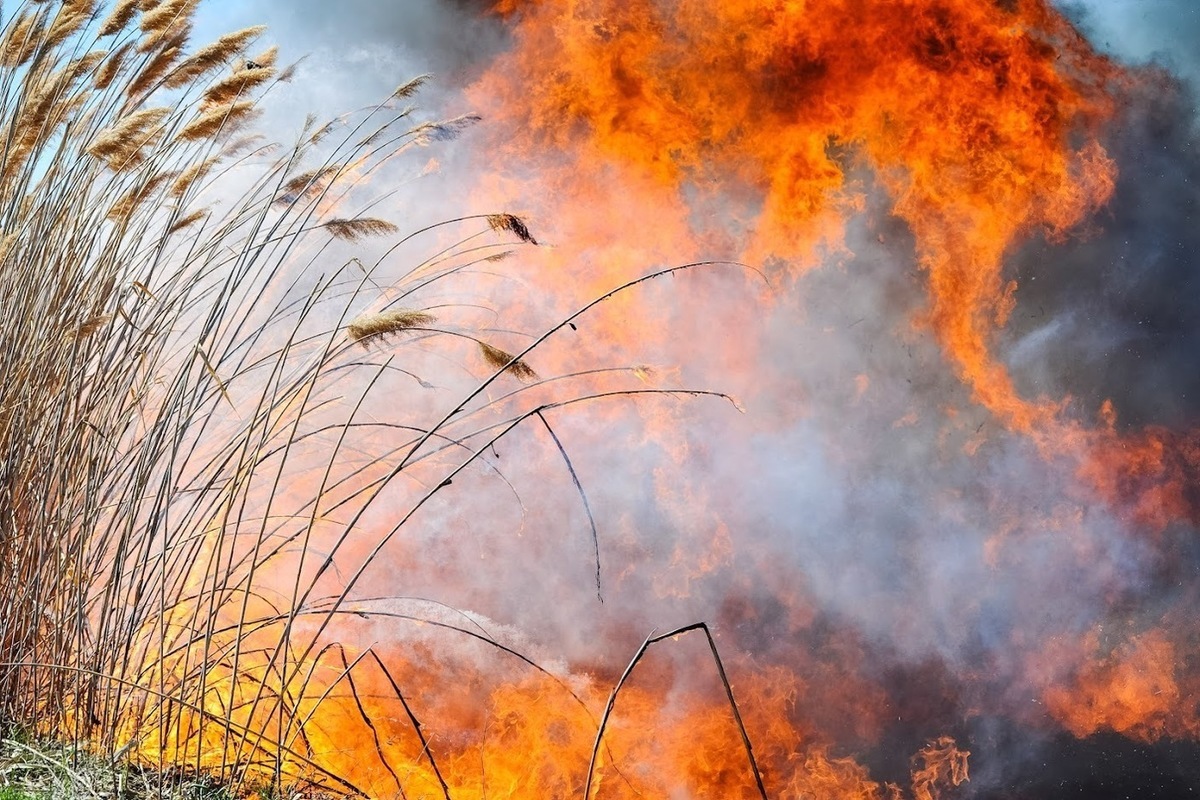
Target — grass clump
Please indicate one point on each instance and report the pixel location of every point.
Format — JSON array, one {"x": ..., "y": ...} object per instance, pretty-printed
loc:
[
  {"x": 18, "y": 793},
  {"x": 44, "y": 770}
]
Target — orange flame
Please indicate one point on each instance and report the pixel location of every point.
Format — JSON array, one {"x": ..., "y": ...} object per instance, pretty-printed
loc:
[
  {"x": 681, "y": 128},
  {"x": 746, "y": 125}
]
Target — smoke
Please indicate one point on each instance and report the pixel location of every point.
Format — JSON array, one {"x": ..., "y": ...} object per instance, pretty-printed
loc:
[
  {"x": 450, "y": 39},
  {"x": 865, "y": 524},
  {"x": 358, "y": 50},
  {"x": 1113, "y": 315},
  {"x": 1162, "y": 32}
]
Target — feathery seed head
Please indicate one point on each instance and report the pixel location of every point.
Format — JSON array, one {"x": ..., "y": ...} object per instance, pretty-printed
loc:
[
  {"x": 119, "y": 18},
  {"x": 500, "y": 359},
  {"x": 353, "y": 230},
  {"x": 513, "y": 224},
  {"x": 384, "y": 323}
]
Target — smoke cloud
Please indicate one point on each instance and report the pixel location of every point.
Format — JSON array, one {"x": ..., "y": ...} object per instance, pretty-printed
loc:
[
  {"x": 866, "y": 524},
  {"x": 1112, "y": 316},
  {"x": 1162, "y": 32}
]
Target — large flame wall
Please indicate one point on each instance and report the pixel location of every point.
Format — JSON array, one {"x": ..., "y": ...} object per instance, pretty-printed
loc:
[{"x": 914, "y": 532}]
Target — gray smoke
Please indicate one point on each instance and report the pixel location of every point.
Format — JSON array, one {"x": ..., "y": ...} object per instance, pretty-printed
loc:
[
  {"x": 862, "y": 490},
  {"x": 1113, "y": 315},
  {"x": 1142, "y": 31}
]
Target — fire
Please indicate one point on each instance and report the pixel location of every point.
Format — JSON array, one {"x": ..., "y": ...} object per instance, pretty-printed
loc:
[
  {"x": 655, "y": 132},
  {"x": 978, "y": 118},
  {"x": 748, "y": 127},
  {"x": 644, "y": 133},
  {"x": 1131, "y": 689},
  {"x": 940, "y": 763}
]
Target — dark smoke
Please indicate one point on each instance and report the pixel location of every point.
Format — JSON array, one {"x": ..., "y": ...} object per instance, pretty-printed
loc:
[
  {"x": 1117, "y": 315},
  {"x": 451, "y": 38}
]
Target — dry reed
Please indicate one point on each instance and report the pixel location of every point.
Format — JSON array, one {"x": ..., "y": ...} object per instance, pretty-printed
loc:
[
  {"x": 163, "y": 59},
  {"x": 188, "y": 177},
  {"x": 512, "y": 224},
  {"x": 158, "y": 387},
  {"x": 121, "y": 145},
  {"x": 353, "y": 230},
  {"x": 164, "y": 16},
  {"x": 411, "y": 87},
  {"x": 119, "y": 17},
  {"x": 384, "y": 323},
  {"x": 221, "y": 119},
  {"x": 501, "y": 360},
  {"x": 111, "y": 67},
  {"x": 239, "y": 84},
  {"x": 212, "y": 56},
  {"x": 22, "y": 38},
  {"x": 266, "y": 58},
  {"x": 188, "y": 220}
]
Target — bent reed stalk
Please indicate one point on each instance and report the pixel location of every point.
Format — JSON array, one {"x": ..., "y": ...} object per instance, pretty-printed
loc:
[{"x": 192, "y": 398}]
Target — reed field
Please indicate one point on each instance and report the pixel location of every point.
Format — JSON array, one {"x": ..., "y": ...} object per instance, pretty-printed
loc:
[{"x": 201, "y": 381}]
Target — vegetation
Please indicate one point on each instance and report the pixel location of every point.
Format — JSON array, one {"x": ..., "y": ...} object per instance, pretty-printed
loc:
[
  {"x": 202, "y": 379},
  {"x": 48, "y": 771}
]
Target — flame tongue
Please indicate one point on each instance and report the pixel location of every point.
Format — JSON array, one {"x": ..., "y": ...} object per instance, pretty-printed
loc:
[
  {"x": 967, "y": 111},
  {"x": 732, "y": 125}
]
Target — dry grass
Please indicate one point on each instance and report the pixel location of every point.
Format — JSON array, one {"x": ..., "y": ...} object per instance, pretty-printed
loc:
[
  {"x": 385, "y": 323},
  {"x": 170, "y": 364},
  {"x": 221, "y": 119},
  {"x": 39, "y": 770},
  {"x": 212, "y": 57},
  {"x": 513, "y": 224},
  {"x": 501, "y": 360},
  {"x": 353, "y": 230}
]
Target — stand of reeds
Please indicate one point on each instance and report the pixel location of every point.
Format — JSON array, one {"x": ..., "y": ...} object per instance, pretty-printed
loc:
[{"x": 196, "y": 391}]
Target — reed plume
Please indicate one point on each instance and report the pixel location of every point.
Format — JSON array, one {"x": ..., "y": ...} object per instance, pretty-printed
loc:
[
  {"x": 66, "y": 23},
  {"x": 352, "y": 230},
  {"x": 512, "y": 224},
  {"x": 266, "y": 58},
  {"x": 188, "y": 220},
  {"x": 121, "y": 146},
  {"x": 110, "y": 68},
  {"x": 499, "y": 359},
  {"x": 411, "y": 87},
  {"x": 212, "y": 57},
  {"x": 307, "y": 184},
  {"x": 157, "y": 17},
  {"x": 127, "y": 203},
  {"x": 166, "y": 25},
  {"x": 22, "y": 38},
  {"x": 119, "y": 17},
  {"x": 444, "y": 131},
  {"x": 239, "y": 84},
  {"x": 153, "y": 72},
  {"x": 90, "y": 326},
  {"x": 216, "y": 120},
  {"x": 384, "y": 323},
  {"x": 188, "y": 177}
]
